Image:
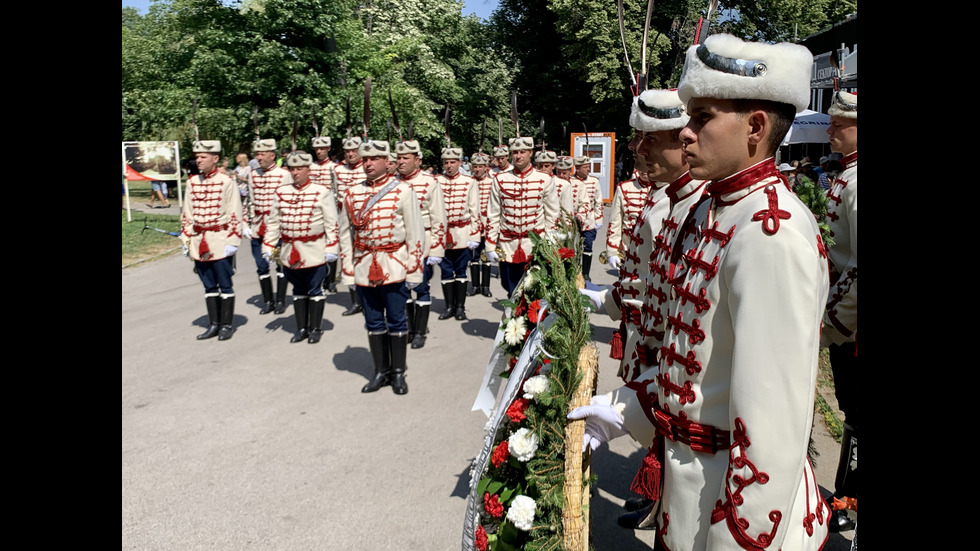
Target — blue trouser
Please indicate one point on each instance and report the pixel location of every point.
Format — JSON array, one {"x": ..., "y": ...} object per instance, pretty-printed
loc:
[
  {"x": 307, "y": 282},
  {"x": 589, "y": 236},
  {"x": 261, "y": 266},
  {"x": 422, "y": 292},
  {"x": 216, "y": 275},
  {"x": 454, "y": 264},
  {"x": 510, "y": 275},
  {"x": 384, "y": 308},
  {"x": 476, "y": 252}
]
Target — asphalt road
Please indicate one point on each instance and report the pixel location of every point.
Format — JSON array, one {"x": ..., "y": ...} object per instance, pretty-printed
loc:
[{"x": 257, "y": 443}]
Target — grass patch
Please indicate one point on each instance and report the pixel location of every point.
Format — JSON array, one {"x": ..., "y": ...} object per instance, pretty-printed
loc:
[
  {"x": 139, "y": 245},
  {"x": 825, "y": 381}
]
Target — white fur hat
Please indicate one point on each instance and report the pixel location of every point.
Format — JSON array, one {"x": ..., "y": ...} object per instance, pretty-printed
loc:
[
  {"x": 408, "y": 146},
  {"x": 726, "y": 67},
  {"x": 264, "y": 145},
  {"x": 321, "y": 141},
  {"x": 207, "y": 146},
  {"x": 480, "y": 159},
  {"x": 564, "y": 163},
  {"x": 521, "y": 144},
  {"x": 844, "y": 104},
  {"x": 299, "y": 158},
  {"x": 501, "y": 151},
  {"x": 392, "y": 157},
  {"x": 373, "y": 148},
  {"x": 545, "y": 157},
  {"x": 452, "y": 153},
  {"x": 656, "y": 110},
  {"x": 581, "y": 160},
  {"x": 352, "y": 143}
]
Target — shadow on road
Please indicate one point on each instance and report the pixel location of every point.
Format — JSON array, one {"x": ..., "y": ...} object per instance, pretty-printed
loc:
[
  {"x": 355, "y": 360},
  {"x": 481, "y": 328}
]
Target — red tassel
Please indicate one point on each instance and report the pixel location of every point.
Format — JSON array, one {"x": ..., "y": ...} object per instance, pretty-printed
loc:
[
  {"x": 616, "y": 344},
  {"x": 262, "y": 228},
  {"x": 519, "y": 256},
  {"x": 450, "y": 243},
  {"x": 294, "y": 256},
  {"x": 203, "y": 250},
  {"x": 647, "y": 480},
  {"x": 375, "y": 274}
]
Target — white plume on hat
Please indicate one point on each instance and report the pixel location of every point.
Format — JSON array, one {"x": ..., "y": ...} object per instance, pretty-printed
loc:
[
  {"x": 844, "y": 104},
  {"x": 775, "y": 72},
  {"x": 656, "y": 110}
]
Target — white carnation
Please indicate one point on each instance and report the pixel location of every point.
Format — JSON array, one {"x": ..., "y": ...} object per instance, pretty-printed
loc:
[
  {"x": 515, "y": 331},
  {"x": 522, "y": 444},
  {"x": 535, "y": 386},
  {"x": 521, "y": 512}
]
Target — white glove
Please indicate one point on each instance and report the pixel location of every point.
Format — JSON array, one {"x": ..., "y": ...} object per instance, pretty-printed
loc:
[
  {"x": 330, "y": 257},
  {"x": 230, "y": 250},
  {"x": 603, "y": 421},
  {"x": 472, "y": 245},
  {"x": 433, "y": 260},
  {"x": 598, "y": 226},
  {"x": 614, "y": 262},
  {"x": 594, "y": 296},
  {"x": 247, "y": 233},
  {"x": 492, "y": 256},
  {"x": 267, "y": 257},
  {"x": 410, "y": 286},
  {"x": 184, "y": 250}
]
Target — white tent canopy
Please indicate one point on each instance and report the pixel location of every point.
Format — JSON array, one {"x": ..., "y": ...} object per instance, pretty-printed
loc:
[{"x": 808, "y": 127}]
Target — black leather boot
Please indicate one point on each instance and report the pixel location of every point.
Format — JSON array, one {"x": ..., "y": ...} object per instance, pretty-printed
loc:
[
  {"x": 227, "y": 315},
  {"x": 281, "y": 285},
  {"x": 410, "y": 316},
  {"x": 421, "y": 325},
  {"x": 474, "y": 286},
  {"x": 845, "y": 483},
  {"x": 330, "y": 282},
  {"x": 214, "y": 309},
  {"x": 485, "y": 282},
  {"x": 460, "y": 300},
  {"x": 355, "y": 307},
  {"x": 268, "y": 304},
  {"x": 399, "y": 346},
  {"x": 448, "y": 292},
  {"x": 382, "y": 362},
  {"x": 586, "y": 265},
  {"x": 301, "y": 309},
  {"x": 316, "y": 319}
]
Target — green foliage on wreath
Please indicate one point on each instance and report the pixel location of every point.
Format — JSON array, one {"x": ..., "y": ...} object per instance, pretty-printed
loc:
[{"x": 815, "y": 198}]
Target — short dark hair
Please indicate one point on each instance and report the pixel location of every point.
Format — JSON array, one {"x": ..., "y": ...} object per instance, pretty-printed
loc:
[{"x": 780, "y": 114}]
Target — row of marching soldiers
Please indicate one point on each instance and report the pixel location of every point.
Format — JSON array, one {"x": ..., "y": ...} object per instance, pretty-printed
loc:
[{"x": 384, "y": 225}]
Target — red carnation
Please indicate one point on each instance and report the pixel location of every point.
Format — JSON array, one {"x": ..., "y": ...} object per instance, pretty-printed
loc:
[
  {"x": 500, "y": 454},
  {"x": 532, "y": 313},
  {"x": 566, "y": 253},
  {"x": 516, "y": 410},
  {"x": 492, "y": 505},
  {"x": 481, "y": 539}
]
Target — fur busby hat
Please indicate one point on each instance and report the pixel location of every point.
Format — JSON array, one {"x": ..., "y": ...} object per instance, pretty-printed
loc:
[
  {"x": 352, "y": 143},
  {"x": 564, "y": 163},
  {"x": 844, "y": 104},
  {"x": 656, "y": 110},
  {"x": 581, "y": 160},
  {"x": 373, "y": 148},
  {"x": 480, "y": 159},
  {"x": 452, "y": 153},
  {"x": 521, "y": 144},
  {"x": 321, "y": 141},
  {"x": 392, "y": 157},
  {"x": 545, "y": 157},
  {"x": 207, "y": 146},
  {"x": 726, "y": 67},
  {"x": 264, "y": 145},
  {"x": 501, "y": 151},
  {"x": 408, "y": 146},
  {"x": 299, "y": 158}
]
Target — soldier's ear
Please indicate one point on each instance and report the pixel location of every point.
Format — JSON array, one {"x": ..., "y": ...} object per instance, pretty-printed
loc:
[{"x": 758, "y": 127}]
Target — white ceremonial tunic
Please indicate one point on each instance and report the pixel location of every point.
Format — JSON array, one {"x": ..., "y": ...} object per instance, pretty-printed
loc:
[
  {"x": 321, "y": 172},
  {"x": 737, "y": 372},
  {"x": 627, "y": 203},
  {"x": 840, "y": 322},
  {"x": 211, "y": 217},
  {"x": 385, "y": 243},
  {"x": 262, "y": 193},
  {"x": 433, "y": 210},
  {"x": 305, "y": 218},
  {"x": 461, "y": 196},
  {"x": 484, "y": 186},
  {"x": 565, "y": 199},
  {"x": 589, "y": 207},
  {"x": 519, "y": 204}
]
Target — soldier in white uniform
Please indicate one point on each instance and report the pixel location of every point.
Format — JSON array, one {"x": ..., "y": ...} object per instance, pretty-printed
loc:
[
  {"x": 211, "y": 231},
  {"x": 304, "y": 217},
  {"x": 346, "y": 174},
  {"x": 321, "y": 172},
  {"x": 521, "y": 201},
  {"x": 729, "y": 412},
  {"x": 544, "y": 161},
  {"x": 382, "y": 249},
  {"x": 479, "y": 268},
  {"x": 589, "y": 208},
  {"x": 840, "y": 321},
  {"x": 262, "y": 184},
  {"x": 461, "y": 197},
  {"x": 433, "y": 210},
  {"x": 500, "y": 160}
]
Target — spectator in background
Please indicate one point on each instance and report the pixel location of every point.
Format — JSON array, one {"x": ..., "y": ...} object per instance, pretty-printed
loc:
[
  {"x": 240, "y": 174},
  {"x": 158, "y": 190}
]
